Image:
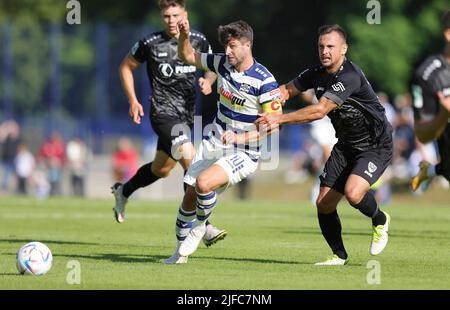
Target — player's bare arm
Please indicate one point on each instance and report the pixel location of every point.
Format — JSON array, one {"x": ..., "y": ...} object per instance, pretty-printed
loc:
[
  {"x": 187, "y": 54},
  {"x": 427, "y": 131},
  {"x": 305, "y": 115},
  {"x": 128, "y": 65},
  {"x": 288, "y": 91}
]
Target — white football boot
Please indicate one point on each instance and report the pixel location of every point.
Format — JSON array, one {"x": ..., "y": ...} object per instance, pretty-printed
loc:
[
  {"x": 176, "y": 258},
  {"x": 213, "y": 234},
  {"x": 192, "y": 241},
  {"x": 121, "y": 201},
  {"x": 380, "y": 236}
]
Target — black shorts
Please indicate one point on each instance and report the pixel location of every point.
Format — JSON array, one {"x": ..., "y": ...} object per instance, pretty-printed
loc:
[
  {"x": 369, "y": 165},
  {"x": 171, "y": 134}
]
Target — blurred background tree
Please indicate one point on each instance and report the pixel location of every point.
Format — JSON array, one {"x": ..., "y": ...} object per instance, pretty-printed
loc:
[{"x": 44, "y": 50}]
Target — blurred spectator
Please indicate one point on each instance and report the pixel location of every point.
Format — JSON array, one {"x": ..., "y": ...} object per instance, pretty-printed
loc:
[
  {"x": 40, "y": 185},
  {"x": 52, "y": 154},
  {"x": 9, "y": 140},
  {"x": 24, "y": 167},
  {"x": 125, "y": 160},
  {"x": 78, "y": 157}
]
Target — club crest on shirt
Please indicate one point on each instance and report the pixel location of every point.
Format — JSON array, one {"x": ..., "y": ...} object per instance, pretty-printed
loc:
[{"x": 244, "y": 88}]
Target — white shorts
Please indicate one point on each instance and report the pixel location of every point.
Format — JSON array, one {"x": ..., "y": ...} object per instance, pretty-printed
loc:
[
  {"x": 238, "y": 165},
  {"x": 323, "y": 132}
]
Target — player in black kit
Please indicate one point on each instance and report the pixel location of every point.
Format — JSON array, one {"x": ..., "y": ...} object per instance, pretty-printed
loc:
[
  {"x": 431, "y": 92},
  {"x": 172, "y": 103},
  {"x": 364, "y": 147}
]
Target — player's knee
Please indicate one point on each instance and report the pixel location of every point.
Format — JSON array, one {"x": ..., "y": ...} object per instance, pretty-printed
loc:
[
  {"x": 162, "y": 172},
  {"x": 324, "y": 207},
  {"x": 203, "y": 185},
  {"x": 354, "y": 196}
]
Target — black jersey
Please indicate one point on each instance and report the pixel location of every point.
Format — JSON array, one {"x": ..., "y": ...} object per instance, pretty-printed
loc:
[
  {"x": 359, "y": 120},
  {"x": 172, "y": 81},
  {"x": 432, "y": 76}
]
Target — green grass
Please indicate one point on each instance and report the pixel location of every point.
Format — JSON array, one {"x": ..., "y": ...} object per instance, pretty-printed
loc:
[{"x": 271, "y": 245}]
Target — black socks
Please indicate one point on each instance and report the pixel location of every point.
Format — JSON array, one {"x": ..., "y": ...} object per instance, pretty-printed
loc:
[
  {"x": 331, "y": 230},
  {"x": 143, "y": 177},
  {"x": 369, "y": 207}
]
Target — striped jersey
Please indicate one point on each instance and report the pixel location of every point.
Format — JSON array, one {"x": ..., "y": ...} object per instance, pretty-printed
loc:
[{"x": 242, "y": 96}]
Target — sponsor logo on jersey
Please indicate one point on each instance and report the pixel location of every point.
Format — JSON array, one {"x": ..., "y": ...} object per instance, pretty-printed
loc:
[
  {"x": 166, "y": 70},
  {"x": 185, "y": 69},
  {"x": 338, "y": 87},
  {"x": 163, "y": 54},
  {"x": 235, "y": 101},
  {"x": 371, "y": 168}
]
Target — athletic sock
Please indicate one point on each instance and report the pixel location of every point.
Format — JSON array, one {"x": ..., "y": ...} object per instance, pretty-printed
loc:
[
  {"x": 185, "y": 221},
  {"x": 205, "y": 205},
  {"x": 143, "y": 177},
  {"x": 369, "y": 207},
  {"x": 330, "y": 225}
]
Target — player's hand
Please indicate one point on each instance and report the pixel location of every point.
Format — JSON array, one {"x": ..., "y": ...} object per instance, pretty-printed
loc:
[
  {"x": 136, "y": 112},
  {"x": 205, "y": 86},
  {"x": 183, "y": 27},
  {"x": 229, "y": 137},
  {"x": 445, "y": 101},
  {"x": 268, "y": 121}
]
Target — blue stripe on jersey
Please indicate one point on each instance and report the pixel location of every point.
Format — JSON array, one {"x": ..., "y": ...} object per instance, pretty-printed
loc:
[
  {"x": 268, "y": 87},
  {"x": 258, "y": 72},
  {"x": 237, "y": 116}
]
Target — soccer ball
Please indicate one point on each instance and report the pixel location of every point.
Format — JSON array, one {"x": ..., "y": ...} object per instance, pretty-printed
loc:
[{"x": 34, "y": 258}]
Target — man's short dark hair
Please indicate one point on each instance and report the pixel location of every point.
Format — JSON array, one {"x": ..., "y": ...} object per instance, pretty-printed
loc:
[
  {"x": 235, "y": 30},
  {"x": 164, "y": 4},
  {"x": 325, "y": 29},
  {"x": 445, "y": 20}
]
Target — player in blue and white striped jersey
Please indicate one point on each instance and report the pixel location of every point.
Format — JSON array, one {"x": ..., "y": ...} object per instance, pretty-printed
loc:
[{"x": 231, "y": 151}]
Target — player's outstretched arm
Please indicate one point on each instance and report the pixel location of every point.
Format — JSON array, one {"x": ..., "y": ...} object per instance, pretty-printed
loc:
[
  {"x": 305, "y": 115},
  {"x": 185, "y": 50}
]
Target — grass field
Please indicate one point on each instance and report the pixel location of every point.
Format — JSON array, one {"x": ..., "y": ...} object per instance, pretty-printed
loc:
[{"x": 271, "y": 245}]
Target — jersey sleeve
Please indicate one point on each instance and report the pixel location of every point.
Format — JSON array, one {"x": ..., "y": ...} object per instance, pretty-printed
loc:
[
  {"x": 423, "y": 96},
  {"x": 140, "y": 51},
  {"x": 211, "y": 62},
  {"x": 344, "y": 86},
  {"x": 270, "y": 96},
  {"x": 304, "y": 80},
  {"x": 206, "y": 47}
]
